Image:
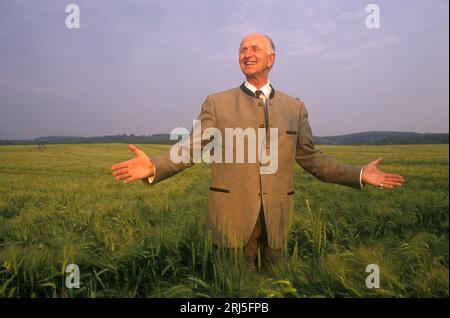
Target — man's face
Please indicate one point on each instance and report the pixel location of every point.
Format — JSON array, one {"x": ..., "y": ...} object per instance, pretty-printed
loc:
[{"x": 254, "y": 57}]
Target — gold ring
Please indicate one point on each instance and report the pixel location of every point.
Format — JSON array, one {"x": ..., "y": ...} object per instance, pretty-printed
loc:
[{"x": 380, "y": 186}]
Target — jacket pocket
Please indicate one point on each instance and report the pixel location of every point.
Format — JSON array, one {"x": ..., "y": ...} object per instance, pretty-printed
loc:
[
  {"x": 291, "y": 132},
  {"x": 290, "y": 193},
  {"x": 219, "y": 190}
]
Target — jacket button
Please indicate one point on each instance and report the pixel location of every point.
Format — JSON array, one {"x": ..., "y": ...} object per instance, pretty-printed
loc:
[
  {"x": 260, "y": 104},
  {"x": 261, "y": 126}
]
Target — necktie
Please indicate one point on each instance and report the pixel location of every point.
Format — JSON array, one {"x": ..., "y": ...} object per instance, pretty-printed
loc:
[{"x": 260, "y": 94}]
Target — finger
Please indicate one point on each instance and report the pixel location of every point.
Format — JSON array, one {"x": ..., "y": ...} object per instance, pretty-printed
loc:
[
  {"x": 131, "y": 179},
  {"x": 120, "y": 171},
  {"x": 384, "y": 185},
  {"x": 394, "y": 177},
  {"x": 123, "y": 176},
  {"x": 393, "y": 183},
  {"x": 119, "y": 166},
  {"x": 377, "y": 161},
  {"x": 133, "y": 148},
  {"x": 388, "y": 183}
]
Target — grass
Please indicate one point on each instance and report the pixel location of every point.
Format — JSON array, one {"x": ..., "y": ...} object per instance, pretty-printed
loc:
[{"x": 60, "y": 205}]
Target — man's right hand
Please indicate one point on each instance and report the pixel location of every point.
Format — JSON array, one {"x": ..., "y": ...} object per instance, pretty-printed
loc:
[{"x": 140, "y": 167}]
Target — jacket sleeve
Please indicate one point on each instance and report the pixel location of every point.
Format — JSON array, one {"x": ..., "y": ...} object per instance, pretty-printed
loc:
[
  {"x": 165, "y": 167},
  {"x": 317, "y": 163}
]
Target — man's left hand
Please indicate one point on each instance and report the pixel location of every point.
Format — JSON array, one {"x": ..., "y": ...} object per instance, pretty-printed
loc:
[{"x": 377, "y": 178}]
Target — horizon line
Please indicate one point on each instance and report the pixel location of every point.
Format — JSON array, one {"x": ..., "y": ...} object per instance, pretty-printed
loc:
[{"x": 153, "y": 134}]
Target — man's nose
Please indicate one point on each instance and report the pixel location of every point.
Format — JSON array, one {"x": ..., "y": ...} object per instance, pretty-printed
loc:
[{"x": 247, "y": 54}]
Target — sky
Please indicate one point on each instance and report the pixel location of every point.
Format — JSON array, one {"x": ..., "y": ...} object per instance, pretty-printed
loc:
[{"x": 143, "y": 67}]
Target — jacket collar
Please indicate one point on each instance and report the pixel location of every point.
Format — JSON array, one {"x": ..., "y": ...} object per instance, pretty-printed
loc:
[{"x": 250, "y": 93}]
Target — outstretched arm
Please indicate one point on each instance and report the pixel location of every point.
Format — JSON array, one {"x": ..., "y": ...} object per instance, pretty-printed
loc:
[
  {"x": 142, "y": 167},
  {"x": 326, "y": 169},
  {"x": 317, "y": 163}
]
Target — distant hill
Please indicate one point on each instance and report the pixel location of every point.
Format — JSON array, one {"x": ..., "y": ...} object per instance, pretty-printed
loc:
[
  {"x": 383, "y": 138},
  {"x": 363, "y": 138},
  {"x": 124, "y": 138}
]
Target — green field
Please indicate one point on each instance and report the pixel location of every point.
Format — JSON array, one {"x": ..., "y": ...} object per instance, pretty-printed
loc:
[{"x": 60, "y": 205}]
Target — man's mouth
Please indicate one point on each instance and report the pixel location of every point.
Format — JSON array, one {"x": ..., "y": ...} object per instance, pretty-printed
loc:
[{"x": 250, "y": 63}]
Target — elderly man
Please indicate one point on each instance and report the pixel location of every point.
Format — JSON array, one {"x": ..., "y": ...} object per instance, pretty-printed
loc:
[{"x": 248, "y": 208}]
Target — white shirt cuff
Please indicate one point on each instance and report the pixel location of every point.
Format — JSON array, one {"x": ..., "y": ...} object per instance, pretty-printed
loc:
[
  {"x": 360, "y": 178},
  {"x": 150, "y": 179}
]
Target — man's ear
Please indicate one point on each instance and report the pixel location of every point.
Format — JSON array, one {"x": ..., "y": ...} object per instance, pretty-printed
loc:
[{"x": 271, "y": 60}]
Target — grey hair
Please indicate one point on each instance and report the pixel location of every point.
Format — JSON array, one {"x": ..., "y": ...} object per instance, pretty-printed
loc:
[{"x": 272, "y": 45}]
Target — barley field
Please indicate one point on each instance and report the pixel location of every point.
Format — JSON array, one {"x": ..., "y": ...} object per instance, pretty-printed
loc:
[{"x": 59, "y": 205}]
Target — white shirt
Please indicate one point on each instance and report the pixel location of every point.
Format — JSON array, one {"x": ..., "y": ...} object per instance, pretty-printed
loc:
[{"x": 266, "y": 89}]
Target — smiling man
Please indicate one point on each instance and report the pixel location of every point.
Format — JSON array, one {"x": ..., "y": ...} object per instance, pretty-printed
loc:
[
  {"x": 248, "y": 208},
  {"x": 256, "y": 58}
]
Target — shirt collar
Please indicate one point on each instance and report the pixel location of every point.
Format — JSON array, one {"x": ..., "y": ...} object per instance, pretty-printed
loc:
[{"x": 266, "y": 89}]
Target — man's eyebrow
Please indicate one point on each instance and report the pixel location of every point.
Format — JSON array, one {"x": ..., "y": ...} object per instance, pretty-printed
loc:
[{"x": 252, "y": 46}]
